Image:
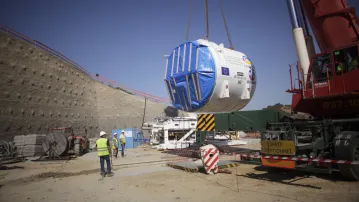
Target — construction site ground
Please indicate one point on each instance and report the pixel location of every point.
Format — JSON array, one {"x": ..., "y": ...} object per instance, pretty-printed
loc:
[{"x": 142, "y": 175}]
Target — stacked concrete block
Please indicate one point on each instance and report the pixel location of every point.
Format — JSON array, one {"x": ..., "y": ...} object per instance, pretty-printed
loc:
[
  {"x": 19, "y": 142},
  {"x": 33, "y": 145},
  {"x": 29, "y": 145},
  {"x": 35, "y": 139},
  {"x": 32, "y": 150}
]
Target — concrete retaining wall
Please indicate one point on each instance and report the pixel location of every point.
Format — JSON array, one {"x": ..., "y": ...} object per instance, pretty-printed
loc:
[{"x": 39, "y": 91}]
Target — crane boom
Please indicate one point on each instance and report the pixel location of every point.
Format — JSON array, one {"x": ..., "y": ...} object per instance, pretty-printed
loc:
[{"x": 334, "y": 24}]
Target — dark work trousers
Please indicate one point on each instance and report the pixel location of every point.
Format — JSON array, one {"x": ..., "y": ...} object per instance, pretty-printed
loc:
[
  {"x": 102, "y": 162},
  {"x": 115, "y": 151},
  {"x": 123, "y": 145}
]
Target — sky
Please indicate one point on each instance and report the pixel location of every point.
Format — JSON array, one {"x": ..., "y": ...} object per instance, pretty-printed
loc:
[{"x": 126, "y": 40}]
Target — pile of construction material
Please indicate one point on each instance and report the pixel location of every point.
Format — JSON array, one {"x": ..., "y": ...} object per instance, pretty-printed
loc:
[
  {"x": 7, "y": 151},
  {"x": 192, "y": 152},
  {"x": 29, "y": 145},
  {"x": 92, "y": 144}
]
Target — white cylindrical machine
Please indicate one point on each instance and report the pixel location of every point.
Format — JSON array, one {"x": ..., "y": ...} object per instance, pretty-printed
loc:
[{"x": 204, "y": 77}]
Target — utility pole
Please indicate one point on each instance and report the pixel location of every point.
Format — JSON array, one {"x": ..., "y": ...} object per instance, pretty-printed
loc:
[{"x": 144, "y": 113}]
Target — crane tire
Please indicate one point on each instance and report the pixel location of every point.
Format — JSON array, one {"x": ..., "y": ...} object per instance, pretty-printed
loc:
[
  {"x": 351, "y": 172},
  {"x": 347, "y": 148}
]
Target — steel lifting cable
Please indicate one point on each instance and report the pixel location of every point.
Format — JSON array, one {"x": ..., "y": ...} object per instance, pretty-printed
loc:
[
  {"x": 207, "y": 24},
  {"x": 206, "y": 18},
  {"x": 189, "y": 19},
  {"x": 225, "y": 24}
]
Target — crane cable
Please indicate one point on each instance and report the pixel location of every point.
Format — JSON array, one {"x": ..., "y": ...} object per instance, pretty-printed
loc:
[
  {"x": 207, "y": 24},
  {"x": 225, "y": 24},
  {"x": 189, "y": 19},
  {"x": 206, "y": 18}
]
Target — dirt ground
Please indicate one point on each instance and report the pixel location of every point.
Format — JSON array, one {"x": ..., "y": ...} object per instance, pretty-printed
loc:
[{"x": 142, "y": 175}]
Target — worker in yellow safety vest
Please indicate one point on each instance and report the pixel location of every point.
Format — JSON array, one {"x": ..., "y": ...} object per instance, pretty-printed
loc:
[
  {"x": 339, "y": 68},
  {"x": 103, "y": 151},
  {"x": 123, "y": 143},
  {"x": 115, "y": 145}
]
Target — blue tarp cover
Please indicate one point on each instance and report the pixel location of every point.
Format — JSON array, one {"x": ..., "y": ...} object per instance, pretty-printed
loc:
[{"x": 178, "y": 69}]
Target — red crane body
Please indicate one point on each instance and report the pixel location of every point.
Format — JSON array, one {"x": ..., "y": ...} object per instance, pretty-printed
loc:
[
  {"x": 329, "y": 91},
  {"x": 333, "y": 23}
]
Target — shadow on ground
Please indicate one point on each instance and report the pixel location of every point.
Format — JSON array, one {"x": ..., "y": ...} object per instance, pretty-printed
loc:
[
  {"x": 11, "y": 167},
  {"x": 193, "y": 151},
  {"x": 290, "y": 177}
]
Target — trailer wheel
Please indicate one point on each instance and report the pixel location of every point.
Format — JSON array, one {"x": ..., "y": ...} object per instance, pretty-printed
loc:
[
  {"x": 348, "y": 149},
  {"x": 78, "y": 149}
]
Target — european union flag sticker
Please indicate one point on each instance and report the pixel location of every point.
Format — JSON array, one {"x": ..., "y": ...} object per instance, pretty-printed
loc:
[{"x": 225, "y": 71}]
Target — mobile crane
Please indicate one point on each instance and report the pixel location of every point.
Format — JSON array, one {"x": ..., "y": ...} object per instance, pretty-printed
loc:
[{"x": 328, "y": 90}]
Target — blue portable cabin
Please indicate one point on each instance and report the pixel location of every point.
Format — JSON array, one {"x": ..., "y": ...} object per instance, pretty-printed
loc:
[
  {"x": 139, "y": 139},
  {"x": 133, "y": 137}
]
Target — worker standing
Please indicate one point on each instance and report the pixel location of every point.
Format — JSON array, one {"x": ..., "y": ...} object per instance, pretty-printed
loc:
[
  {"x": 123, "y": 143},
  {"x": 103, "y": 151},
  {"x": 115, "y": 145}
]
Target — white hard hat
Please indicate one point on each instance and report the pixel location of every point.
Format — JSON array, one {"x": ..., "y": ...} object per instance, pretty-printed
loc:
[
  {"x": 102, "y": 133},
  {"x": 122, "y": 131},
  {"x": 115, "y": 134}
]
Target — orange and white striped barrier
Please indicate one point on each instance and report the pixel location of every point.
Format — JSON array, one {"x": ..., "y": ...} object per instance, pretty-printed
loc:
[{"x": 301, "y": 159}]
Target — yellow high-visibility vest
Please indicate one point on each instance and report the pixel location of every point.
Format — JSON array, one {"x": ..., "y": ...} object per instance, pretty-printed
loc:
[
  {"x": 102, "y": 149},
  {"x": 115, "y": 143},
  {"x": 339, "y": 68},
  {"x": 122, "y": 139}
]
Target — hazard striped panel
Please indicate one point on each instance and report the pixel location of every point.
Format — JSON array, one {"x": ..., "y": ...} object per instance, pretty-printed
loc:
[
  {"x": 210, "y": 158},
  {"x": 205, "y": 122}
]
